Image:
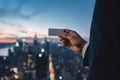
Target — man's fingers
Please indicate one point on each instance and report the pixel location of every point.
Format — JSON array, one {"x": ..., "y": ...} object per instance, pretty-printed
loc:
[
  {"x": 65, "y": 41},
  {"x": 66, "y": 31}
]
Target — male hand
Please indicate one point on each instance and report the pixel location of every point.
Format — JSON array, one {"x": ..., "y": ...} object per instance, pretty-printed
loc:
[{"x": 73, "y": 40}]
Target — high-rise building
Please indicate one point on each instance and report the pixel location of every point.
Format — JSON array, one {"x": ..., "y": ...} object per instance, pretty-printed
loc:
[{"x": 35, "y": 40}]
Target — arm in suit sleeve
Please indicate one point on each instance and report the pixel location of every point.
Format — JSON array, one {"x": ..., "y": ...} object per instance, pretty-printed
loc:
[{"x": 85, "y": 53}]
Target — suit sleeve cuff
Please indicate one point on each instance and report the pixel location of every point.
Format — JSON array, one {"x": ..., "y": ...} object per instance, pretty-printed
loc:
[{"x": 84, "y": 49}]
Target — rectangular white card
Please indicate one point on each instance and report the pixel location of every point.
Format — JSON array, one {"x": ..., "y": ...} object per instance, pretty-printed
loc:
[{"x": 55, "y": 32}]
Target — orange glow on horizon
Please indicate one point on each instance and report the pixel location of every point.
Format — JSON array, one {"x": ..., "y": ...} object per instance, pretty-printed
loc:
[
  {"x": 11, "y": 41},
  {"x": 7, "y": 40}
]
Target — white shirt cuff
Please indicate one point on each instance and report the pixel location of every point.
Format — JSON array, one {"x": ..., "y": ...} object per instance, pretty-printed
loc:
[{"x": 84, "y": 49}]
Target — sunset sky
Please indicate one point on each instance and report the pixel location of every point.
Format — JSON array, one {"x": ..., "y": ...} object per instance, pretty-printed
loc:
[{"x": 24, "y": 18}]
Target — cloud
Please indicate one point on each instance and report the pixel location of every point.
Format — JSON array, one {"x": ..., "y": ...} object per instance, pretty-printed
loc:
[
  {"x": 25, "y": 9},
  {"x": 11, "y": 24},
  {"x": 12, "y": 35},
  {"x": 41, "y": 35},
  {"x": 1, "y": 29},
  {"x": 23, "y": 31},
  {"x": 7, "y": 23},
  {"x": 7, "y": 34},
  {"x": 13, "y": 8},
  {"x": 1, "y": 33}
]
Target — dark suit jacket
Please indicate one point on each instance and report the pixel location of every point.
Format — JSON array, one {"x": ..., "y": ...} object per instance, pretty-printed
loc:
[{"x": 104, "y": 47}]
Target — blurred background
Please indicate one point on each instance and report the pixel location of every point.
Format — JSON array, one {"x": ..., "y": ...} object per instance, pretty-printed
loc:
[{"x": 26, "y": 50}]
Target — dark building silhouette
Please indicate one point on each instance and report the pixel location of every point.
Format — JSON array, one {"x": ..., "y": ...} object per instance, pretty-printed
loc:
[{"x": 41, "y": 66}]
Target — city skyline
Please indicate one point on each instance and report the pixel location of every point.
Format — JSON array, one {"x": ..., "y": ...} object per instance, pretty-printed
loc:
[{"x": 24, "y": 18}]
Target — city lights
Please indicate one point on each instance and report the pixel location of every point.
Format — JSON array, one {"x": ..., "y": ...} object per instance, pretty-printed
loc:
[
  {"x": 42, "y": 50},
  {"x": 60, "y": 77},
  {"x": 17, "y": 44},
  {"x": 41, "y": 59},
  {"x": 40, "y": 55},
  {"x": 23, "y": 40}
]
